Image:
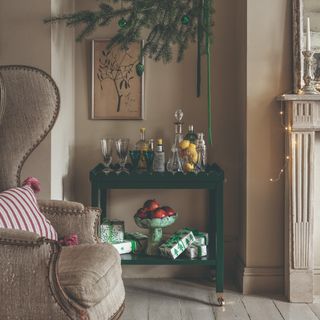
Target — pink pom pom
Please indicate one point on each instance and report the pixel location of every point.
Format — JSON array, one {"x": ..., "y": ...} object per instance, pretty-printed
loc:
[
  {"x": 32, "y": 182},
  {"x": 72, "y": 240}
]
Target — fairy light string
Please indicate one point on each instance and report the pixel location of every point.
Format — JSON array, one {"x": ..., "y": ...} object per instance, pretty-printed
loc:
[{"x": 287, "y": 157}]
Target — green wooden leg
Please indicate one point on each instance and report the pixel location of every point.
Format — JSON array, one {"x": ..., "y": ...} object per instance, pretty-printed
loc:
[
  {"x": 103, "y": 203},
  {"x": 218, "y": 204},
  {"x": 94, "y": 195}
]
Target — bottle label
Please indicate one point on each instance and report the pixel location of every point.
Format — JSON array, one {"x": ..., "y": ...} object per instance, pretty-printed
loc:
[{"x": 159, "y": 162}]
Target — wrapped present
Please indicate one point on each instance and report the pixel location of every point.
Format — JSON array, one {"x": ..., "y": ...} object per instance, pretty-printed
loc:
[
  {"x": 140, "y": 239},
  {"x": 196, "y": 251},
  {"x": 177, "y": 243},
  {"x": 126, "y": 246},
  {"x": 201, "y": 237},
  {"x": 112, "y": 231}
]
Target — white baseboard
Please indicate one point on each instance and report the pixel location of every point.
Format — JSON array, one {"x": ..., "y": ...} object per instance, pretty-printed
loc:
[{"x": 253, "y": 280}]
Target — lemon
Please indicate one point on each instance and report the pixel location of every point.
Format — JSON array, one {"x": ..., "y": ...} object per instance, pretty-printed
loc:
[
  {"x": 184, "y": 144},
  {"x": 194, "y": 156},
  {"x": 192, "y": 146},
  {"x": 189, "y": 167}
]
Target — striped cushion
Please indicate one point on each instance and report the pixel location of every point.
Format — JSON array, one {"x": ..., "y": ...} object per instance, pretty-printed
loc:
[{"x": 19, "y": 210}]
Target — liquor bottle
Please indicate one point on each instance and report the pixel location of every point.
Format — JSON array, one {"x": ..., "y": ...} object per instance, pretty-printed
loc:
[
  {"x": 202, "y": 153},
  {"x": 175, "y": 162},
  {"x": 142, "y": 145},
  {"x": 191, "y": 135},
  {"x": 151, "y": 145},
  {"x": 159, "y": 161}
]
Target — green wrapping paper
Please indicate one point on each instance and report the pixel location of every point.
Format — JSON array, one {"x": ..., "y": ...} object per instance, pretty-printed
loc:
[
  {"x": 177, "y": 243},
  {"x": 140, "y": 239},
  {"x": 126, "y": 246},
  {"x": 196, "y": 251},
  {"x": 112, "y": 231},
  {"x": 202, "y": 238}
]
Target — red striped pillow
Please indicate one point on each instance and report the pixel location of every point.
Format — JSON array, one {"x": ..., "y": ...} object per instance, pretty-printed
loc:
[{"x": 19, "y": 210}]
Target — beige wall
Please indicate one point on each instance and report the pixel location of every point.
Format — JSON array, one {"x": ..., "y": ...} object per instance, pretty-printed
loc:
[
  {"x": 268, "y": 75},
  {"x": 24, "y": 39},
  {"x": 252, "y": 65},
  {"x": 167, "y": 88},
  {"x": 63, "y": 133}
]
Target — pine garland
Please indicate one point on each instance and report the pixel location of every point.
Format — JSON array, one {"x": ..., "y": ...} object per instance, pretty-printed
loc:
[{"x": 168, "y": 23}]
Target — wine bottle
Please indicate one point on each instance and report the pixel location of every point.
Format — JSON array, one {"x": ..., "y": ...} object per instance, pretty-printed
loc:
[{"x": 159, "y": 161}]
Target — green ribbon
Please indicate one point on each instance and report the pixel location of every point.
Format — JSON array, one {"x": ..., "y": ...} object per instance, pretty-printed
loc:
[
  {"x": 208, "y": 53},
  {"x": 198, "y": 234}
]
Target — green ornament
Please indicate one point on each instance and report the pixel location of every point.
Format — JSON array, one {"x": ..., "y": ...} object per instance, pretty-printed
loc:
[
  {"x": 122, "y": 23},
  {"x": 140, "y": 69},
  {"x": 185, "y": 20}
]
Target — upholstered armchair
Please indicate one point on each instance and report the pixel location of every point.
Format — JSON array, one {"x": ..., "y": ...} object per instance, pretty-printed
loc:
[{"x": 39, "y": 279}]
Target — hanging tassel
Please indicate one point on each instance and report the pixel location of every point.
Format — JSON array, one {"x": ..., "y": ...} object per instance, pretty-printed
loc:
[
  {"x": 208, "y": 54},
  {"x": 199, "y": 47}
]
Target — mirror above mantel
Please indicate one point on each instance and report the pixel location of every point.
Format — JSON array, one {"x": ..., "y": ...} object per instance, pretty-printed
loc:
[{"x": 302, "y": 9}]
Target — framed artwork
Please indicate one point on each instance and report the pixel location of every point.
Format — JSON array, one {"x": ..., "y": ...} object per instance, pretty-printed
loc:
[{"x": 117, "y": 90}]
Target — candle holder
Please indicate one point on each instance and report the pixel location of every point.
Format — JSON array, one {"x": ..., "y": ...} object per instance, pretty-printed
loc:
[{"x": 309, "y": 87}]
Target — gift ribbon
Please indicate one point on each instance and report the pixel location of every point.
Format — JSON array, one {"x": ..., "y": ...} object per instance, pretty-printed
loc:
[
  {"x": 198, "y": 234},
  {"x": 208, "y": 53}
]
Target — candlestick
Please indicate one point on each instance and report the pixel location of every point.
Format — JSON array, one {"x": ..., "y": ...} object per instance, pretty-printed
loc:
[
  {"x": 308, "y": 44},
  {"x": 309, "y": 87}
]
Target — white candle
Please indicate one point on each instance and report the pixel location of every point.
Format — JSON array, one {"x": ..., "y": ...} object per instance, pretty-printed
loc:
[{"x": 308, "y": 35}]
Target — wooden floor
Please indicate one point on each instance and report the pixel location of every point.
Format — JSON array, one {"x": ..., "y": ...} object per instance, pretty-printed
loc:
[{"x": 169, "y": 299}]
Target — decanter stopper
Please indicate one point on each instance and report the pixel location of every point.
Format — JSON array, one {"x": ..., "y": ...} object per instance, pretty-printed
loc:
[{"x": 178, "y": 115}]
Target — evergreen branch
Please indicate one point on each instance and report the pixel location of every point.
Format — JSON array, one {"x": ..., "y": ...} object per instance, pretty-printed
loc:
[{"x": 163, "y": 21}]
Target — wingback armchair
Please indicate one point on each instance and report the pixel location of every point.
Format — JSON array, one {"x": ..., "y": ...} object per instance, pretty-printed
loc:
[{"x": 39, "y": 279}]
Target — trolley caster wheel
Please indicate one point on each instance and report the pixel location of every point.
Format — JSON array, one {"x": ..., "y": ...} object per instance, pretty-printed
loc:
[{"x": 221, "y": 301}]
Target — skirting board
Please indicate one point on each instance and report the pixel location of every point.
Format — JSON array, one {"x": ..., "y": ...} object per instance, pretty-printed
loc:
[
  {"x": 316, "y": 281},
  {"x": 255, "y": 280}
]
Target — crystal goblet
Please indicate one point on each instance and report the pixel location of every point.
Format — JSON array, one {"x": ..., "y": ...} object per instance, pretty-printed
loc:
[
  {"x": 122, "y": 147},
  {"x": 135, "y": 157},
  {"x": 106, "y": 150}
]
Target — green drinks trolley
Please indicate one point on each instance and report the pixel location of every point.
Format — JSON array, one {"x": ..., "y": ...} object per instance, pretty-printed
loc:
[{"x": 211, "y": 180}]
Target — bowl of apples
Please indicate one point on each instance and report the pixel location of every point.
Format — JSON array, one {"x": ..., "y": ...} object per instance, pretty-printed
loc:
[{"x": 154, "y": 218}]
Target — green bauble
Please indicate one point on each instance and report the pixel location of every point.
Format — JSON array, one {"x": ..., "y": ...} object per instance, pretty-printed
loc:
[
  {"x": 122, "y": 23},
  {"x": 185, "y": 20},
  {"x": 140, "y": 69}
]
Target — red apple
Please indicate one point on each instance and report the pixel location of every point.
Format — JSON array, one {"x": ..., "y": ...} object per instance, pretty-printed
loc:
[
  {"x": 142, "y": 214},
  {"x": 170, "y": 212},
  {"x": 159, "y": 214},
  {"x": 151, "y": 205}
]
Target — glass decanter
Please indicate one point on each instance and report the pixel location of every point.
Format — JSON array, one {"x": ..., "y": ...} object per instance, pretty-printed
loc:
[{"x": 175, "y": 162}]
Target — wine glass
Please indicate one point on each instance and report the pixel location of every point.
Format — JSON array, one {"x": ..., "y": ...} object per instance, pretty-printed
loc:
[
  {"x": 106, "y": 150},
  {"x": 122, "y": 147}
]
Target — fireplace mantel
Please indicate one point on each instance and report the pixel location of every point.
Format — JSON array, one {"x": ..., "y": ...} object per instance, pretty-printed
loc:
[{"x": 302, "y": 121}]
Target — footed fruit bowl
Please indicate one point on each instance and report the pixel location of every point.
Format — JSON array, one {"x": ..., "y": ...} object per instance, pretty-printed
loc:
[{"x": 154, "y": 218}]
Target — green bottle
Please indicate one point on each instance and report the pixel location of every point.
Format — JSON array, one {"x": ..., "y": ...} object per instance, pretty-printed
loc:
[{"x": 191, "y": 135}]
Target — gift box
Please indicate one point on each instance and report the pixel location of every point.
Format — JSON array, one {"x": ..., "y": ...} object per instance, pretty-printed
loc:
[
  {"x": 112, "y": 231},
  {"x": 140, "y": 239},
  {"x": 126, "y": 246},
  {"x": 202, "y": 238},
  {"x": 177, "y": 243},
  {"x": 196, "y": 251}
]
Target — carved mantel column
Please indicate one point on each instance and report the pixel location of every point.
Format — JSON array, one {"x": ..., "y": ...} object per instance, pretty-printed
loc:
[{"x": 302, "y": 119}]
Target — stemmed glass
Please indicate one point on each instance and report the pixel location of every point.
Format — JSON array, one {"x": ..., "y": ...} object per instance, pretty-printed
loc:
[
  {"x": 106, "y": 150},
  {"x": 122, "y": 147}
]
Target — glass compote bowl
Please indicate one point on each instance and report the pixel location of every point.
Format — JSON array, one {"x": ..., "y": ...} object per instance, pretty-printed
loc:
[
  {"x": 122, "y": 147},
  {"x": 155, "y": 226},
  {"x": 106, "y": 150}
]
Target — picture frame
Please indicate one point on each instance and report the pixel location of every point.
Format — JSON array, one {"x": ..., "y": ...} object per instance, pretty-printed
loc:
[{"x": 117, "y": 89}]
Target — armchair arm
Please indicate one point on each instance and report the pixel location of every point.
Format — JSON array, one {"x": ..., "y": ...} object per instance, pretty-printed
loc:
[
  {"x": 28, "y": 268},
  {"x": 72, "y": 217}
]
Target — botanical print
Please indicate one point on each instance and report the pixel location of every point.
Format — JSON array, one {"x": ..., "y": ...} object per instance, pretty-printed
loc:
[{"x": 117, "y": 89}]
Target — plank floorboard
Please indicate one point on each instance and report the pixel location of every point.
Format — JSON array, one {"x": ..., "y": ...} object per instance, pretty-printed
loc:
[
  {"x": 259, "y": 308},
  {"x": 172, "y": 299},
  {"x": 295, "y": 311}
]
